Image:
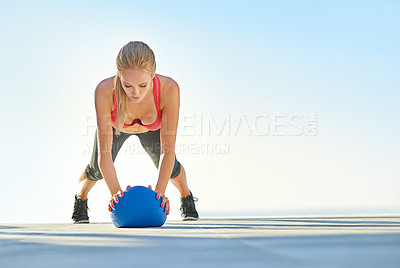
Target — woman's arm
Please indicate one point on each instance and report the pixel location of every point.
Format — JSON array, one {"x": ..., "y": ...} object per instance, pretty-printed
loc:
[
  {"x": 169, "y": 124},
  {"x": 102, "y": 96}
]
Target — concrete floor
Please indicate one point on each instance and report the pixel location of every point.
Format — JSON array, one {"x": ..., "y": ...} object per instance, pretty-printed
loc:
[{"x": 268, "y": 242}]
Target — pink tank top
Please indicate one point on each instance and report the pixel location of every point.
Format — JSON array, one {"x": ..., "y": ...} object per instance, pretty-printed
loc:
[{"x": 154, "y": 126}]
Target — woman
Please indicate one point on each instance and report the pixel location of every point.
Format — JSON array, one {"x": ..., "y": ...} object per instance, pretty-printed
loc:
[{"x": 136, "y": 101}]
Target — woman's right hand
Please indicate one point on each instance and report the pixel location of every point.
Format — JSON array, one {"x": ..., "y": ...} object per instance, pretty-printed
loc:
[{"x": 115, "y": 199}]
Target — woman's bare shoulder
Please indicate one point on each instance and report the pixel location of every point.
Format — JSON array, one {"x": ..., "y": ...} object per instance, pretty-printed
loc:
[
  {"x": 107, "y": 83},
  {"x": 104, "y": 91},
  {"x": 166, "y": 81},
  {"x": 169, "y": 90}
]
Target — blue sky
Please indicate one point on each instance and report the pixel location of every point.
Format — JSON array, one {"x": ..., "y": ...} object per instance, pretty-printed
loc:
[{"x": 338, "y": 60}]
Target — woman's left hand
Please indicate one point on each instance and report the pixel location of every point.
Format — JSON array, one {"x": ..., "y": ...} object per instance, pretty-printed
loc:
[{"x": 164, "y": 200}]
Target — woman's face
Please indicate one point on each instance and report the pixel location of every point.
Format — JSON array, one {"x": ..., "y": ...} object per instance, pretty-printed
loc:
[{"x": 136, "y": 84}]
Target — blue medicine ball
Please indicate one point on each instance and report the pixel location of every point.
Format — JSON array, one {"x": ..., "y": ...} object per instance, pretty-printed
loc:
[{"x": 138, "y": 207}]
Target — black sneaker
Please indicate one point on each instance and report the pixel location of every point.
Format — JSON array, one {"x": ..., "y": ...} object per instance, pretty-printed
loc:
[
  {"x": 80, "y": 214},
  {"x": 188, "y": 208}
]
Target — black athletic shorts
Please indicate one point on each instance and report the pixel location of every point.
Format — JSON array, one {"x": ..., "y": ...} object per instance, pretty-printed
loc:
[{"x": 151, "y": 144}]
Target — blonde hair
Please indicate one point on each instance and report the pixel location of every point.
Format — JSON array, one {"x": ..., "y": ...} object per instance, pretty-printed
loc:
[{"x": 133, "y": 55}]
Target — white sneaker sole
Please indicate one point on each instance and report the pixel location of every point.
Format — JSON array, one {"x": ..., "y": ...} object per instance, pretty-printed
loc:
[
  {"x": 81, "y": 221},
  {"x": 190, "y": 219}
]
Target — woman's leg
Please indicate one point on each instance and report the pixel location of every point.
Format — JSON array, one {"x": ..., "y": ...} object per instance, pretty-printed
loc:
[
  {"x": 92, "y": 174},
  {"x": 85, "y": 185},
  {"x": 151, "y": 143},
  {"x": 180, "y": 183},
  {"x": 188, "y": 208}
]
